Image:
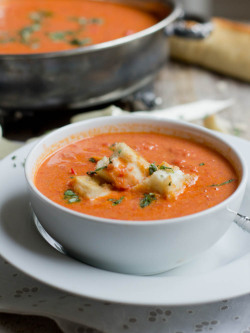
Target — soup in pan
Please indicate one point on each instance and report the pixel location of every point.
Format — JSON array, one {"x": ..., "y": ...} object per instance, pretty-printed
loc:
[
  {"x": 37, "y": 26},
  {"x": 136, "y": 176}
]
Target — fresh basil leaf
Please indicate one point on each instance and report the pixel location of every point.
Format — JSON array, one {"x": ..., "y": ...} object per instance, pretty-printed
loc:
[
  {"x": 147, "y": 199},
  {"x": 152, "y": 168},
  {"x": 224, "y": 183}
]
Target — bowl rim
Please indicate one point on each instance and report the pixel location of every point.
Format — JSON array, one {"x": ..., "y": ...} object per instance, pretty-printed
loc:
[
  {"x": 176, "y": 12},
  {"x": 131, "y": 118}
]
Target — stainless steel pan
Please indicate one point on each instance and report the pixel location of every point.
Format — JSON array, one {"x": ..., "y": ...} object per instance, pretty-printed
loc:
[{"x": 87, "y": 76}]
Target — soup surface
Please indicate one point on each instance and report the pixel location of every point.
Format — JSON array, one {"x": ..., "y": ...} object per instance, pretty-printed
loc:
[
  {"x": 34, "y": 26},
  {"x": 216, "y": 178}
]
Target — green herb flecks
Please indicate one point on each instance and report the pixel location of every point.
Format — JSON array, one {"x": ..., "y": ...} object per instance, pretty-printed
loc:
[
  {"x": 164, "y": 167},
  {"x": 74, "y": 37},
  {"x": 147, "y": 199},
  {"x": 81, "y": 20},
  {"x": 92, "y": 160},
  {"x": 40, "y": 15},
  {"x": 224, "y": 183},
  {"x": 101, "y": 168},
  {"x": 58, "y": 36},
  {"x": 111, "y": 147},
  {"x": 79, "y": 41},
  {"x": 27, "y": 32},
  {"x": 69, "y": 193},
  {"x": 7, "y": 39},
  {"x": 71, "y": 197},
  {"x": 116, "y": 202},
  {"x": 201, "y": 164},
  {"x": 95, "y": 20},
  {"x": 90, "y": 173},
  {"x": 152, "y": 168}
]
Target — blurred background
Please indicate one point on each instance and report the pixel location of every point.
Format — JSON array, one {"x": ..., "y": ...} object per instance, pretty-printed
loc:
[{"x": 237, "y": 10}]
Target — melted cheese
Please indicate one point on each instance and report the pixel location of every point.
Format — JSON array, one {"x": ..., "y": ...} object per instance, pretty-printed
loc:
[
  {"x": 89, "y": 187},
  {"x": 124, "y": 169},
  {"x": 169, "y": 181}
]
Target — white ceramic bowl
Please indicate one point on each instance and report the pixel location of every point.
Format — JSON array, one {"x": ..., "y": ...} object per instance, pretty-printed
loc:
[{"x": 135, "y": 247}]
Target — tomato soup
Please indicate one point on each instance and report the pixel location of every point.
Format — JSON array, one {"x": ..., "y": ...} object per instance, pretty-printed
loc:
[
  {"x": 216, "y": 178},
  {"x": 37, "y": 26}
]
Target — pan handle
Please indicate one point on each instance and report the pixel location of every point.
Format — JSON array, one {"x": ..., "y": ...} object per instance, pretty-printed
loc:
[{"x": 200, "y": 30}]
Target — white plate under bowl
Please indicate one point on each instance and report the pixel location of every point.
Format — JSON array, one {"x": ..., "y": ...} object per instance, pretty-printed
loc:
[{"x": 222, "y": 272}]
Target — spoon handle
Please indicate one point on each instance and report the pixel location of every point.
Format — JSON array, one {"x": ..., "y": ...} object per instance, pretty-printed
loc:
[{"x": 242, "y": 221}]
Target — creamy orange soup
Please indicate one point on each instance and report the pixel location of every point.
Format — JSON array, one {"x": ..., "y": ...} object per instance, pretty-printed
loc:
[
  {"x": 217, "y": 178},
  {"x": 34, "y": 26}
]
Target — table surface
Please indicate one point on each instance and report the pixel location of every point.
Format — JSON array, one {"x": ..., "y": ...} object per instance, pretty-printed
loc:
[{"x": 175, "y": 84}]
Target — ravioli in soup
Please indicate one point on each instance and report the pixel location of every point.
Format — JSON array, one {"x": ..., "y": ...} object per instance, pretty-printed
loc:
[
  {"x": 37, "y": 26},
  {"x": 136, "y": 176}
]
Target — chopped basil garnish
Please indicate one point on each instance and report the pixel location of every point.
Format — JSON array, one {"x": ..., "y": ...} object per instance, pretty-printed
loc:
[
  {"x": 116, "y": 202},
  {"x": 224, "y": 183},
  {"x": 147, "y": 199},
  {"x": 111, "y": 147},
  {"x": 83, "y": 20},
  {"x": 92, "y": 160},
  {"x": 95, "y": 20},
  {"x": 71, "y": 196},
  {"x": 201, "y": 164},
  {"x": 38, "y": 20},
  {"x": 26, "y": 32},
  {"x": 40, "y": 15},
  {"x": 73, "y": 199},
  {"x": 90, "y": 173},
  {"x": 7, "y": 39},
  {"x": 101, "y": 168},
  {"x": 98, "y": 169},
  {"x": 59, "y": 35},
  {"x": 79, "y": 20},
  {"x": 69, "y": 193},
  {"x": 79, "y": 42},
  {"x": 152, "y": 168},
  {"x": 164, "y": 167}
]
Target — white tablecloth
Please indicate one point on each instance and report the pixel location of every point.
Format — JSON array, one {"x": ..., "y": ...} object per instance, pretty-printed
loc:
[{"x": 23, "y": 295}]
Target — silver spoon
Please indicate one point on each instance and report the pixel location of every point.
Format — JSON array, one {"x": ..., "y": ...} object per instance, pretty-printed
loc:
[{"x": 241, "y": 220}]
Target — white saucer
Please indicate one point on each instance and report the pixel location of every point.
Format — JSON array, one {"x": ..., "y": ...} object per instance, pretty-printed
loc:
[{"x": 222, "y": 272}]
